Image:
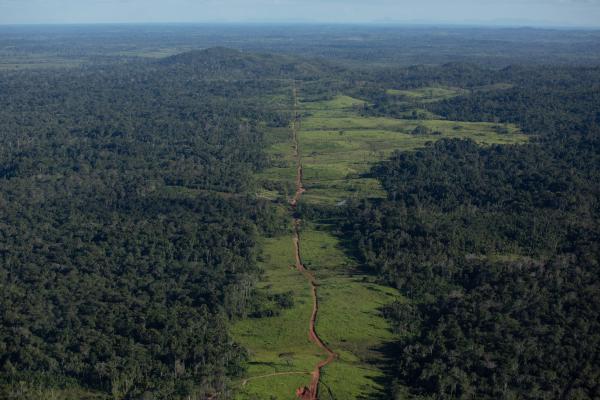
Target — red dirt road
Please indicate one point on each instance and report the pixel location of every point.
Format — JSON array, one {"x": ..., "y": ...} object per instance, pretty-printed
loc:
[{"x": 310, "y": 392}]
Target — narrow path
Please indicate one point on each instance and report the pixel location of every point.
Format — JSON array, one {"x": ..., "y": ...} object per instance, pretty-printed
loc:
[{"x": 310, "y": 392}]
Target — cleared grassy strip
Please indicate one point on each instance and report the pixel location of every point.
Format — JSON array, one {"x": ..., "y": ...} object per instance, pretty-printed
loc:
[
  {"x": 337, "y": 191},
  {"x": 350, "y": 123},
  {"x": 279, "y": 150},
  {"x": 276, "y": 387},
  {"x": 339, "y": 146},
  {"x": 277, "y": 141},
  {"x": 427, "y": 94},
  {"x": 280, "y": 343},
  {"x": 349, "y": 320},
  {"x": 337, "y": 103}
]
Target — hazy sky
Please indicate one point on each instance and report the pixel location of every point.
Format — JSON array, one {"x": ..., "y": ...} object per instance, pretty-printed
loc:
[{"x": 533, "y": 12}]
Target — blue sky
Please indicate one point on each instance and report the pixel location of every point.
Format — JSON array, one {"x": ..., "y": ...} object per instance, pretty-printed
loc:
[{"x": 510, "y": 12}]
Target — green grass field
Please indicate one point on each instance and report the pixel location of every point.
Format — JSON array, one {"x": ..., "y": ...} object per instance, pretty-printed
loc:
[
  {"x": 338, "y": 146},
  {"x": 279, "y": 344},
  {"x": 427, "y": 94},
  {"x": 349, "y": 321}
]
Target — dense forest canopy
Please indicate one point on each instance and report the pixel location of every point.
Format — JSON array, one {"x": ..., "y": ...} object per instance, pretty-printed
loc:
[
  {"x": 497, "y": 246},
  {"x": 128, "y": 227},
  {"x": 130, "y": 222}
]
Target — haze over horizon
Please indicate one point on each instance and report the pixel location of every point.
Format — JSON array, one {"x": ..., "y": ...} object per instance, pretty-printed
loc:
[{"x": 559, "y": 13}]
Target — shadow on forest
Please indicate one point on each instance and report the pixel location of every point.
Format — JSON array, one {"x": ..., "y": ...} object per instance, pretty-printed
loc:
[
  {"x": 384, "y": 355},
  {"x": 384, "y": 361},
  {"x": 264, "y": 363}
]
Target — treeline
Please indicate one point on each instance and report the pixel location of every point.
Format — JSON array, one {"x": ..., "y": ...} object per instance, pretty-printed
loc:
[
  {"x": 127, "y": 229},
  {"x": 547, "y": 102},
  {"x": 518, "y": 94},
  {"x": 360, "y": 46},
  {"x": 495, "y": 248}
]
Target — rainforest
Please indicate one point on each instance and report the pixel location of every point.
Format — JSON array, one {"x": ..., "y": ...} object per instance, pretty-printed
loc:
[{"x": 299, "y": 212}]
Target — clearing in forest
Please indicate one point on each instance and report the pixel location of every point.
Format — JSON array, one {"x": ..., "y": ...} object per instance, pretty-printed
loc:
[
  {"x": 340, "y": 145},
  {"x": 337, "y": 146}
]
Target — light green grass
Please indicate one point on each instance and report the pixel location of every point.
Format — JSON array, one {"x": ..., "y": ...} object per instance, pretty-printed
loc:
[
  {"x": 356, "y": 122},
  {"x": 427, "y": 94},
  {"x": 349, "y": 321},
  {"x": 268, "y": 338},
  {"x": 353, "y": 330},
  {"x": 349, "y": 318},
  {"x": 280, "y": 387},
  {"x": 337, "y": 103},
  {"x": 280, "y": 151},
  {"x": 267, "y": 194},
  {"x": 339, "y": 146}
]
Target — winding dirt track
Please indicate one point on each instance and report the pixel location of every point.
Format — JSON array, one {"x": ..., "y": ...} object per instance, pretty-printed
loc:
[{"x": 312, "y": 391}]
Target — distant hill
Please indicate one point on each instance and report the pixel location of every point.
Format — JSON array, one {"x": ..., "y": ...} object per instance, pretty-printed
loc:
[{"x": 221, "y": 62}]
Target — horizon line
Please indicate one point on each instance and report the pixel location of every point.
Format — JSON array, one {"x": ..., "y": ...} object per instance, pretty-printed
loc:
[{"x": 415, "y": 23}]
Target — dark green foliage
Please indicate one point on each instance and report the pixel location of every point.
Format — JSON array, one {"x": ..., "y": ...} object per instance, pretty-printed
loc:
[
  {"x": 497, "y": 248},
  {"x": 128, "y": 221},
  {"x": 270, "y": 305},
  {"x": 547, "y": 101},
  {"x": 515, "y": 330},
  {"x": 127, "y": 229},
  {"x": 421, "y": 130},
  {"x": 215, "y": 62}
]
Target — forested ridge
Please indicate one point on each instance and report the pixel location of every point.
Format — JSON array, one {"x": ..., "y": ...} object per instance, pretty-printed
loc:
[{"x": 496, "y": 247}]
